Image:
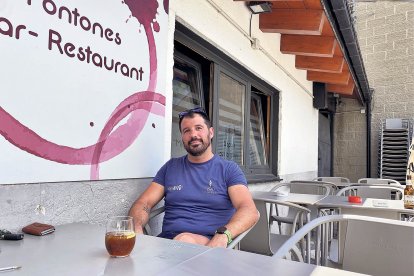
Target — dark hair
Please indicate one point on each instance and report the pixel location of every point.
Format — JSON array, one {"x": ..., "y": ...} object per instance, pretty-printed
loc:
[{"x": 190, "y": 113}]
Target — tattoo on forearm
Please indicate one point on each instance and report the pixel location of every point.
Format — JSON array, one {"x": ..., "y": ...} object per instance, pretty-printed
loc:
[{"x": 146, "y": 209}]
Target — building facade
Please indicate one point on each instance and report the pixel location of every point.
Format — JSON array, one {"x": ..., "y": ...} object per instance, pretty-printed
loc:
[{"x": 385, "y": 33}]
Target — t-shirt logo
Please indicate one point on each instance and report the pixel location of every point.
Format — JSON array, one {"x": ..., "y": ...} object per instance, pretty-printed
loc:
[
  {"x": 210, "y": 188},
  {"x": 175, "y": 188}
]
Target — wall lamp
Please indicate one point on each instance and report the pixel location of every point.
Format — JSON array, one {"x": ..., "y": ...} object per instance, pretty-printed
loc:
[{"x": 259, "y": 7}]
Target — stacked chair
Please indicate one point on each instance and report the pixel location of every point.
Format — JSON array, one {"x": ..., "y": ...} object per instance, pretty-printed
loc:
[{"x": 395, "y": 140}]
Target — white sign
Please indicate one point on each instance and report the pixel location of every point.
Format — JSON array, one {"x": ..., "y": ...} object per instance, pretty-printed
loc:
[{"x": 82, "y": 89}]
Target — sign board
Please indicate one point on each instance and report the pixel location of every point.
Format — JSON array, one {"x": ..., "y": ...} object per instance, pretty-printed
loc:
[{"x": 82, "y": 89}]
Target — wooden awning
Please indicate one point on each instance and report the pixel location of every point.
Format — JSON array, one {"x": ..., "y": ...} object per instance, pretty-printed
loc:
[{"x": 307, "y": 33}]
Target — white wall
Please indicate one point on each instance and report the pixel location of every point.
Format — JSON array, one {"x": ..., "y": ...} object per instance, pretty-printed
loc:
[
  {"x": 298, "y": 126},
  {"x": 65, "y": 202}
]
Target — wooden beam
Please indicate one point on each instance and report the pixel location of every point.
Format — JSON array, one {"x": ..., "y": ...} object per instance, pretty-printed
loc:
[
  {"x": 292, "y": 21},
  {"x": 326, "y": 27},
  {"x": 338, "y": 51},
  {"x": 347, "y": 89},
  {"x": 313, "y": 4},
  {"x": 307, "y": 45},
  {"x": 295, "y": 4},
  {"x": 333, "y": 78},
  {"x": 320, "y": 64}
]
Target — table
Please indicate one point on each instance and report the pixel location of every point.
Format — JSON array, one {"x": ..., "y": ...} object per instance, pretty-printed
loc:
[
  {"x": 79, "y": 249},
  {"x": 304, "y": 199},
  {"x": 261, "y": 197},
  {"x": 220, "y": 261},
  {"x": 384, "y": 208}
]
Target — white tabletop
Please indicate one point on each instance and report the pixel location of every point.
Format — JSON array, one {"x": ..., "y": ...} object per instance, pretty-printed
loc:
[
  {"x": 367, "y": 203},
  {"x": 385, "y": 208},
  {"x": 220, "y": 261},
  {"x": 306, "y": 199},
  {"x": 347, "y": 184},
  {"x": 79, "y": 249}
]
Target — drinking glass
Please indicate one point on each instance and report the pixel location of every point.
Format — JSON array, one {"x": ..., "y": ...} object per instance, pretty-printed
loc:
[{"x": 120, "y": 236}]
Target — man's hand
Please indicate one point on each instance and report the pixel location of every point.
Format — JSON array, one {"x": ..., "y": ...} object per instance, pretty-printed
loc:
[
  {"x": 139, "y": 230},
  {"x": 141, "y": 208},
  {"x": 218, "y": 240}
]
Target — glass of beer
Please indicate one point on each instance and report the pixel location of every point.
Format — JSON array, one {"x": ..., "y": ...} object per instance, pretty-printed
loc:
[{"x": 120, "y": 236}]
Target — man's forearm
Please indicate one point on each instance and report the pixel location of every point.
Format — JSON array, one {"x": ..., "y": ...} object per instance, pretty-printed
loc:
[
  {"x": 244, "y": 218},
  {"x": 140, "y": 212}
]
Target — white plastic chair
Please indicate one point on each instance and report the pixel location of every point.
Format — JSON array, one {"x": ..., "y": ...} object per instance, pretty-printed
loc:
[
  {"x": 374, "y": 246},
  {"x": 300, "y": 187},
  {"x": 260, "y": 240},
  {"x": 339, "y": 181},
  {"x": 333, "y": 186},
  {"x": 379, "y": 181},
  {"x": 373, "y": 191},
  {"x": 234, "y": 244}
]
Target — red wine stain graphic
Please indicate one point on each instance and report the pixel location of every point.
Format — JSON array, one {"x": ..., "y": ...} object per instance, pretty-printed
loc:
[{"x": 113, "y": 140}]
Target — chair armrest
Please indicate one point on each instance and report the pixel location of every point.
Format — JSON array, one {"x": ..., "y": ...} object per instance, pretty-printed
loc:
[
  {"x": 241, "y": 236},
  {"x": 153, "y": 213},
  {"x": 156, "y": 212}
]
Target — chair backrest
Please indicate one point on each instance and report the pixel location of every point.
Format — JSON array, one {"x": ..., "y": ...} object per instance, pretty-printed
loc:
[
  {"x": 373, "y": 191},
  {"x": 154, "y": 213},
  {"x": 258, "y": 239},
  {"x": 378, "y": 181},
  {"x": 309, "y": 187},
  {"x": 382, "y": 247},
  {"x": 374, "y": 246},
  {"x": 333, "y": 179}
]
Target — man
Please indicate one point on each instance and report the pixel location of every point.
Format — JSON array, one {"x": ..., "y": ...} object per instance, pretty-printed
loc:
[{"x": 207, "y": 201}]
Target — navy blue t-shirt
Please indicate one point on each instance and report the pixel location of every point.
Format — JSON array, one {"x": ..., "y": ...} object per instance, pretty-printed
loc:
[{"x": 196, "y": 196}]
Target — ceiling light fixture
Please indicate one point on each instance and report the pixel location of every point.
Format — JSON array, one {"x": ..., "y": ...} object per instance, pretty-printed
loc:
[{"x": 259, "y": 7}]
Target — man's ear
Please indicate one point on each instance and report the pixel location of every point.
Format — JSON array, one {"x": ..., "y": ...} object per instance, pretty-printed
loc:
[{"x": 211, "y": 132}]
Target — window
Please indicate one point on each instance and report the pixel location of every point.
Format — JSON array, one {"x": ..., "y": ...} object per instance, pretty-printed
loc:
[
  {"x": 258, "y": 144},
  {"x": 187, "y": 94},
  {"x": 242, "y": 108},
  {"x": 230, "y": 134}
]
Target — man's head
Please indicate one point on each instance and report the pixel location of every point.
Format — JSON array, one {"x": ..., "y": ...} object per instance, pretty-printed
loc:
[
  {"x": 190, "y": 113},
  {"x": 196, "y": 131}
]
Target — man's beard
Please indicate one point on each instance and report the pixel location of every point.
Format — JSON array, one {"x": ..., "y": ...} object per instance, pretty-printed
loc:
[{"x": 199, "y": 150}]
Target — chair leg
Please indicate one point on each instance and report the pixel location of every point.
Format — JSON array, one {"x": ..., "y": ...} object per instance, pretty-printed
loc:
[
  {"x": 280, "y": 227},
  {"x": 318, "y": 245}
]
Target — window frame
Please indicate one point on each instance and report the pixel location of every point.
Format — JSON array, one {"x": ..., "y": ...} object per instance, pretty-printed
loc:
[
  {"x": 187, "y": 61},
  {"x": 254, "y": 96},
  {"x": 216, "y": 95},
  {"x": 222, "y": 63}
]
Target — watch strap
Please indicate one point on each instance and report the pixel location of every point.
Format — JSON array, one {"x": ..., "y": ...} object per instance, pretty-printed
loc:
[{"x": 229, "y": 237}]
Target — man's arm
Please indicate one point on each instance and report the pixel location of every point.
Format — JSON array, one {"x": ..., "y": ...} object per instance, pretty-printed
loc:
[
  {"x": 245, "y": 216},
  {"x": 141, "y": 208}
]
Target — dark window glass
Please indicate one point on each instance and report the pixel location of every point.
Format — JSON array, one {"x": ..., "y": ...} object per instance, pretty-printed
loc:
[
  {"x": 186, "y": 94},
  {"x": 230, "y": 136},
  {"x": 257, "y": 138}
]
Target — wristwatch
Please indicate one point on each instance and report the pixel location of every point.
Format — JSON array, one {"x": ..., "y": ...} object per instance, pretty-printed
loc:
[{"x": 223, "y": 230}]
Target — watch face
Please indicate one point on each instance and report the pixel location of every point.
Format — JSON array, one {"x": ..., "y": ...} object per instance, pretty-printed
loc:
[{"x": 221, "y": 230}]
